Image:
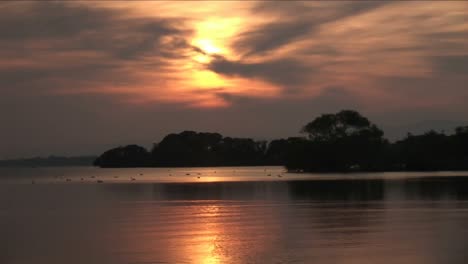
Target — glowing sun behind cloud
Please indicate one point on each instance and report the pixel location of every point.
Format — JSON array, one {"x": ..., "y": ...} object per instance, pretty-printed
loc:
[
  {"x": 206, "y": 49},
  {"x": 201, "y": 34},
  {"x": 207, "y": 46},
  {"x": 211, "y": 38}
]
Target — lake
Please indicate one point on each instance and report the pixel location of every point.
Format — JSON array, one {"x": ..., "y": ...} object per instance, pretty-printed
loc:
[{"x": 231, "y": 215}]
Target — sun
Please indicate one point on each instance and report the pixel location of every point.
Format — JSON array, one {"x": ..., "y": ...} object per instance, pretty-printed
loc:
[
  {"x": 211, "y": 39},
  {"x": 207, "y": 46}
]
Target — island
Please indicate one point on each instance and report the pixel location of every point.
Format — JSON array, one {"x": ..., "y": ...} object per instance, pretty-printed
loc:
[{"x": 339, "y": 142}]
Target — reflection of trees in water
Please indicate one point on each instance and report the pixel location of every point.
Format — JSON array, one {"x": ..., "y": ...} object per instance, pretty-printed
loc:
[
  {"x": 201, "y": 191},
  {"x": 299, "y": 220},
  {"x": 352, "y": 193},
  {"x": 338, "y": 190},
  {"x": 436, "y": 188},
  {"x": 354, "y": 206},
  {"x": 225, "y": 191},
  {"x": 340, "y": 207},
  {"x": 129, "y": 191}
]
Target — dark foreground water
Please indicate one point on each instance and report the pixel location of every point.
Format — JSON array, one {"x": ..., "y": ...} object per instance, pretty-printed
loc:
[{"x": 167, "y": 216}]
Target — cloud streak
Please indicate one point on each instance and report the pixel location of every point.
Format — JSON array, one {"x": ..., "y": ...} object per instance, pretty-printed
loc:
[
  {"x": 284, "y": 72},
  {"x": 68, "y": 47},
  {"x": 307, "y": 19}
]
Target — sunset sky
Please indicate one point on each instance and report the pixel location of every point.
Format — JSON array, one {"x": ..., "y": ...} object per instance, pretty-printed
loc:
[{"x": 80, "y": 77}]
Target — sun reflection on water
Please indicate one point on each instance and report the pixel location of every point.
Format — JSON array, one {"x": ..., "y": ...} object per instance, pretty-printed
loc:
[{"x": 207, "y": 247}]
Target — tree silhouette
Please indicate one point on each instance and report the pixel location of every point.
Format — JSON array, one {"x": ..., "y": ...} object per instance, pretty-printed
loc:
[
  {"x": 190, "y": 148},
  {"x": 339, "y": 142},
  {"x": 128, "y": 156},
  {"x": 345, "y": 123}
]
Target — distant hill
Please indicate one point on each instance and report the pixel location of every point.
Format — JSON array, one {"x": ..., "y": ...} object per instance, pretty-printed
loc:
[{"x": 52, "y": 161}]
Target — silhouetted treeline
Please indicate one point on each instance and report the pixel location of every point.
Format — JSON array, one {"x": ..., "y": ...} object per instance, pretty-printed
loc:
[
  {"x": 345, "y": 141},
  {"x": 433, "y": 151},
  {"x": 52, "y": 161},
  {"x": 189, "y": 149}
]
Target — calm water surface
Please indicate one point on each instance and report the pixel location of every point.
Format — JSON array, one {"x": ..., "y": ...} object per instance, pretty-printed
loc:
[{"x": 231, "y": 215}]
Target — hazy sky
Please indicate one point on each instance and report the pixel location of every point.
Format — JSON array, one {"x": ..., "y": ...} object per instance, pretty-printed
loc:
[{"x": 80, "y": 77}]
